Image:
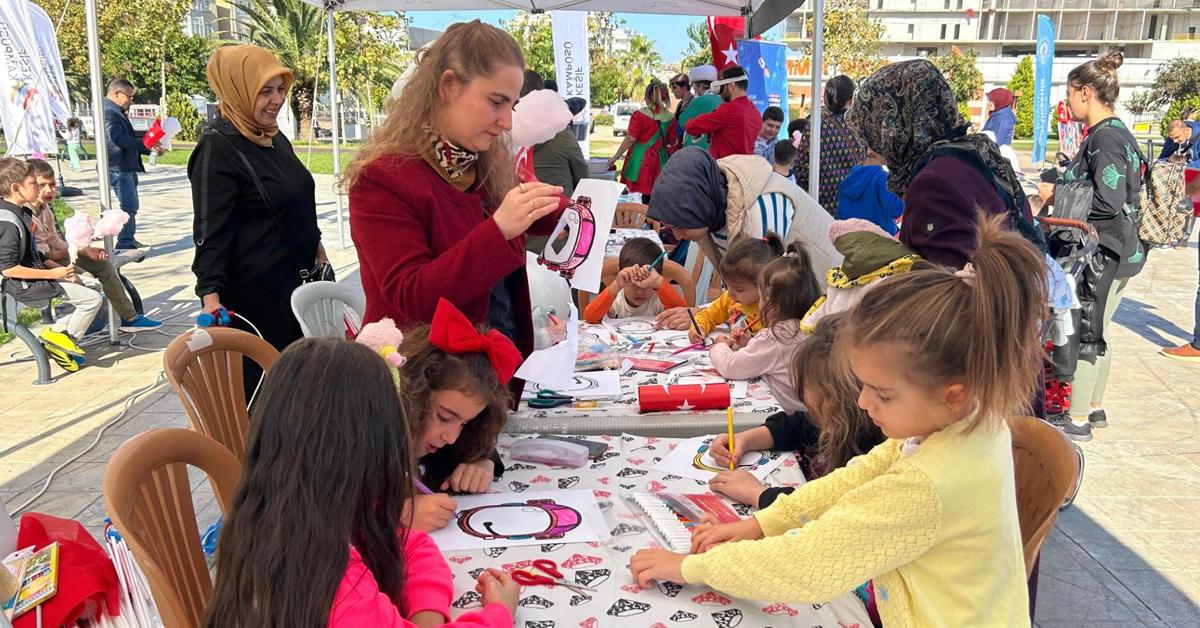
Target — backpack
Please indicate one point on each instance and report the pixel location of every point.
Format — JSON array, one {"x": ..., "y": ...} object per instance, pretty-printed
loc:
[{"x": 1163, "y": 215}]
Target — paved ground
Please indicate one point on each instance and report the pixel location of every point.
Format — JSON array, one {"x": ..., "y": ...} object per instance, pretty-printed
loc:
[{"x": 1127, "y": 554}]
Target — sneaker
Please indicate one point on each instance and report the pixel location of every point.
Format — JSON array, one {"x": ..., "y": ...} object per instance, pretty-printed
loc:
[
  {"x": 79, "y": 360},
  {"x": 60, "y": 357},
  {"x": 122, "y": 246},
  {"x": 1187, "y": 353},
  {"x": 1062, "y": 420},
  {"x": 61, "y": 341},
  {"x": 1097, "y": 418},
  {"x": 139, "y": 323}
]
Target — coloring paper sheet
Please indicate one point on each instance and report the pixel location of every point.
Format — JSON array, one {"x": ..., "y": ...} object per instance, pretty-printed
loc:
[
  {"x": 587, "y": 274},
  {"x": 690, "y": 459},
  {"x": 509, "y": 519},
  {"x": 589, "y": 385},
  {"x": 552, "y": 368}
]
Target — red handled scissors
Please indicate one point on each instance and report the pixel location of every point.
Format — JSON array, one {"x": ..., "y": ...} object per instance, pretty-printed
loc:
[{"x": 553, "y": 577}]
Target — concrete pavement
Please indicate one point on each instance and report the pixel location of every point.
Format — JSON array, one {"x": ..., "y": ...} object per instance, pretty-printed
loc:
[{"x": 1126, "y": 554}]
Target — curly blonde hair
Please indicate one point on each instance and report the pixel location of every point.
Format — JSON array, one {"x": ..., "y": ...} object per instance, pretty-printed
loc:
[{"x": 470, "y": 50}]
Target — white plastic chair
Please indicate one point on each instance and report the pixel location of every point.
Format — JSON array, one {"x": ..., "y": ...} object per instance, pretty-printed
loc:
[{"x": 320, "y": 307}]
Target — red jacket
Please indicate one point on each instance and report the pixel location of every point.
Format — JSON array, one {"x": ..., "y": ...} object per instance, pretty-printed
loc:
[
  {"x": 734, "y": 126},
  {"x": 418, "y": 239}
]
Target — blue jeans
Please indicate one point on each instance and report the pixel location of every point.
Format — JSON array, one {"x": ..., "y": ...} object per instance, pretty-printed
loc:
[{"x": 125, "y": 185}]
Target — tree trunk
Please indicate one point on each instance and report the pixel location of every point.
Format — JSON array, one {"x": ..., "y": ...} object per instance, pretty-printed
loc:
[{"x": 302, "y": 108}]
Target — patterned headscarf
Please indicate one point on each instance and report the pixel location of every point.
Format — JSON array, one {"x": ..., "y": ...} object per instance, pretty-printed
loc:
[{"x": 907, "y": 109}]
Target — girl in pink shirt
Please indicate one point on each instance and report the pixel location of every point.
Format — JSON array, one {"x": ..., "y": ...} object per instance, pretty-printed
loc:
[
  {"x": 787, "y": 289},
  {"x": 313, "y": 538}
]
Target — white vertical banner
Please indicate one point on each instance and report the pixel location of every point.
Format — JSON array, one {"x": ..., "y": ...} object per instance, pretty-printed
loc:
[
  {"x": 52, "y": 79},
  {"x": 571, "y": 63},
  {"x": 24, "y": 108}
]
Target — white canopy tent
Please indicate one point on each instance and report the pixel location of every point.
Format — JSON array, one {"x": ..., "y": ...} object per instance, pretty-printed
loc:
[{"x": 760, "y": 15}]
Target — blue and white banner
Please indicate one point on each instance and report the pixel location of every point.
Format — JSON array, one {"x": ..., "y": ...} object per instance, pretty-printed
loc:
[
  {"x": 25, "y": 91},
  {"x": 571, "y": 63},
  {"x": 766, "y": 66},
  {"x": 1042, "y": 67}
]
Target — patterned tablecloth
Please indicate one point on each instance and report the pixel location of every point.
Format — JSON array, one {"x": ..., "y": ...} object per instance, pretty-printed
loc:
[
  {"x": 612, "y": 416},
  {"x": 617, "y": 238},
  {"x": 618, "y": 601}
]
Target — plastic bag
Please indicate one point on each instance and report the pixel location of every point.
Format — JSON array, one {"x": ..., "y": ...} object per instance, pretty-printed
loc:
[
  {"x": 595, "y": 354},
  {"x": 548, "y": 328}
]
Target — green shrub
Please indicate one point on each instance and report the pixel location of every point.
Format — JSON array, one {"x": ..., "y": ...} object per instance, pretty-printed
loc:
[
  {"x": 1175, "y": 109},
  {"x": 603, "y": 120},
  {"x": 178, "y": 106},
  {"x": 1022, "y": 83}
]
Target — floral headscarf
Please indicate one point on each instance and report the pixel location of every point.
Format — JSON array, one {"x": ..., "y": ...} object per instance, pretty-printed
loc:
[{"x": 907, "y": 109}]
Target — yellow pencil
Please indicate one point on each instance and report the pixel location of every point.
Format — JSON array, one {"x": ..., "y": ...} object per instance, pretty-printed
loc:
[{"x": 731, "y": 453}]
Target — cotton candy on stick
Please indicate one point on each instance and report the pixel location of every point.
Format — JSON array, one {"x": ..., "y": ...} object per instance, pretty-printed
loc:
[
  {"x": 537, "y": 118},
  {"x": 110, "y": 222},
  {"x": 171, "y": 127},
  {"x": 78, "y": 231}
]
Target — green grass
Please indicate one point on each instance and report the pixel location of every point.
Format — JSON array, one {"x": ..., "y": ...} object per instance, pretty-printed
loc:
[
  {"x": 25, "y": 318},
  {"x": 322, "y": 163}
]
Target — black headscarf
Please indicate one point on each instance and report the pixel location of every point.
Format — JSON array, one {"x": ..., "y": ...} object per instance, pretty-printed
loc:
[{"x": 691, "y": 192}]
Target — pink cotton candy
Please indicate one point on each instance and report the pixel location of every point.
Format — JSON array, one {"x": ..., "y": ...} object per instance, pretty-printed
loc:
[
  {"x": 110, "y": 222},
  {"x": 383, "y": 337},
  {"x": 538, "y": 117},
  {"x": 78, "y": 232}
]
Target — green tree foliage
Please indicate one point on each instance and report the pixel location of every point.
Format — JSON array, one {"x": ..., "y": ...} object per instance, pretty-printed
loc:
[
  {"x": 1176, "y": 80},
  {"x": 1175, "y": 108},
  {"x": 965, "y": 79},
  {"x": 637, "y": 66},
  {"x": 178, "y": 106},
  {"x": 699, "y": 50},
  {"x": 72, "y": 38},
  {"x": 1140, "y": 102},
  {"x": 1022, "y": 83},
  {"x": 853, "y": 43},
  {"x": 293, "y": 32},
  {"x": 534, "y": 36},
  {"x": 186, "y": 58},
  {"x": 375, "y": 54},
  {"x": 606, "y": 81}
]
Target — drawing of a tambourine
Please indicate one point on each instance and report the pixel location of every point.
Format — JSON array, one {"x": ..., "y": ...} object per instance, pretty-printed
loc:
[
  {"x": 580, "y": 224},
  {"x": 760, "y": 458},
  {"x": 483, "y": 522}
]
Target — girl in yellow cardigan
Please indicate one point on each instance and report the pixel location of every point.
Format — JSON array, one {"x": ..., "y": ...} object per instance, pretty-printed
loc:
[
  {"x": 738, "y": 305},
  {"x": 930, "y": 514}
]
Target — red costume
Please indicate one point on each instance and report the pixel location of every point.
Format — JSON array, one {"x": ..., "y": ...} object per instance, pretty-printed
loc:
[{"x": 734, "y": 126}]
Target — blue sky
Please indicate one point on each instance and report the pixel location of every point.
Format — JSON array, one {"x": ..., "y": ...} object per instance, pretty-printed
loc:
[{"x": 669, "y": 32}]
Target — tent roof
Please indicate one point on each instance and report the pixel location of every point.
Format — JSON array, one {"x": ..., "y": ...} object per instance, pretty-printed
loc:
[{"x": 664, "y": 7}]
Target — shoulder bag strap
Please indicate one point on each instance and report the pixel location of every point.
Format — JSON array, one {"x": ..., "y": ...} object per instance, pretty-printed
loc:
[{"x": 304, "y": 268}]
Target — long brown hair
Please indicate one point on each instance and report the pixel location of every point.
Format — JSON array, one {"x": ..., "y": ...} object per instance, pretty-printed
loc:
[
  {"x": 428, "y": 369},
  {"x": 830, "y": 391},
  {"x": 981, "y": 328},
  {"x": 787, "y": 287},
  {"x": 471, "y": 50},
  {"x": 327, "y": 467}
]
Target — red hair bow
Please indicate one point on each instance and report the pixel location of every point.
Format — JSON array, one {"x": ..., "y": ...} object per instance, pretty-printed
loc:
[{"x": 453, "y": 333}]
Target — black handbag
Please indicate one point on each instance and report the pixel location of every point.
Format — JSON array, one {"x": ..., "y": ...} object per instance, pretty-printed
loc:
[{"x": 319, "y": 271}]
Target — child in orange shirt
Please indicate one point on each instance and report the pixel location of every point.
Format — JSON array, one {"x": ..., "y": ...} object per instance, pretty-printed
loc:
[{"x": 639, "y": 289}]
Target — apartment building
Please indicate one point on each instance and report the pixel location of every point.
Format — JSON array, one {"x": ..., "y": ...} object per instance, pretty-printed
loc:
[
  {"x": 219, "y": 19},
  {"x": 1148, "y": 32}
]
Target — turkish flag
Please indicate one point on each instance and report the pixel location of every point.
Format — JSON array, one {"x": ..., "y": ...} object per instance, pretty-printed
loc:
[
  {"x": 723, "y": 33},
  {"x": 683, "y": 397}
]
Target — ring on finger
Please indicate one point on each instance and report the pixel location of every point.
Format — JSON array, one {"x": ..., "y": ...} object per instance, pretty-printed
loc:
[{"x": 523, "y": 188}]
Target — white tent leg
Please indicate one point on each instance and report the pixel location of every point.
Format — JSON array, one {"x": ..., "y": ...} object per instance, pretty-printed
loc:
[
  {"x": 334, "y": 108},
  {"x": 93, "y": 43},
  {"x": 814, "y": 131}
]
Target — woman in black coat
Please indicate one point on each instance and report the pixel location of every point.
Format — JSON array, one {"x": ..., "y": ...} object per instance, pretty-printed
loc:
[{"x": 250, "y": 251}]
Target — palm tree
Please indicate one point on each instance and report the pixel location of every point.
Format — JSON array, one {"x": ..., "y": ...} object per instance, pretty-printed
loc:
[
  {"x": 637, "y": 65},
  {"x": 292, "y": 31}
]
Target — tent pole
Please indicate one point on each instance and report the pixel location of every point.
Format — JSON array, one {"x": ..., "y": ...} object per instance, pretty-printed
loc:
[
  {"x": 105, "y": 187},
  {"x": 814, "y": 130},
  {"x": 335, "y": 116}
]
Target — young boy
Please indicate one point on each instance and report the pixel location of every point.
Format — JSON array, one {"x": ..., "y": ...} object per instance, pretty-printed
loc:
[
  {"x": 638, "y": 289},
  {"x": 864, "y": 194},
  {"x": 785, "y": 158},
  {"x": 27, "y": 279},
  {"x": 90, "y": 259}
]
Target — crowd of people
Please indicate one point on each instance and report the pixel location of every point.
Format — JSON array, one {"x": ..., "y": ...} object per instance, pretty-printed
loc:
[{"x": 896, "y": 354}]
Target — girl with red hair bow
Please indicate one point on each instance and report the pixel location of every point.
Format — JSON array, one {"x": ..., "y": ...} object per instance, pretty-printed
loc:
[{"x": 454, "y": 383}]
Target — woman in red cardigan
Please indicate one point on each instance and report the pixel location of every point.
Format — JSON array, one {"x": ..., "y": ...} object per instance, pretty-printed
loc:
[{"x": 436, "y": 210}]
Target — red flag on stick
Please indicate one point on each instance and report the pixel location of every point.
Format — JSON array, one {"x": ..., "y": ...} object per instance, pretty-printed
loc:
[{"x": 723, "y": 33}]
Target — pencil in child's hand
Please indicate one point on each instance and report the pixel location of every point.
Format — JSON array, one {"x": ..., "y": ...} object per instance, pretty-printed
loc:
[
  {"x": 745, "y": 328},
  {"x": 425, "y": 489},
  {"x": 695, "y": 325},
  {"x": 729, "y": 412},
  {"x": 655, "y": 262}
]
